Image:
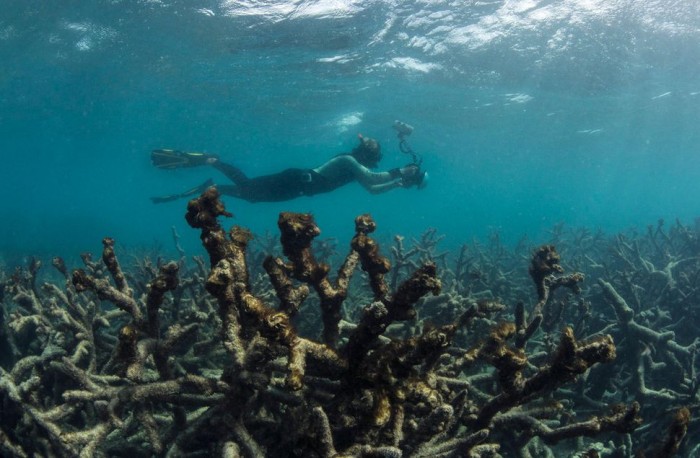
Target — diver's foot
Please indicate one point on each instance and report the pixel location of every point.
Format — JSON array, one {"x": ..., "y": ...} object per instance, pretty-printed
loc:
[
  {"x": 164, "y": 199},
  {"x": 199, "y": 189},
  {"x": 197, "y": 159},
  {"x": 175, "y": 159},
  {"x": 190, "y": 192}
]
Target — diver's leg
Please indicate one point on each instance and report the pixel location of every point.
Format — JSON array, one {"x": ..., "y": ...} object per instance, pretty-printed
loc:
[
  {"x": 285, "y": 185},
  {"x": 231, "y": 190},
  {"x": 232, "y": 172},
  {"x": 190, "y": 192}
]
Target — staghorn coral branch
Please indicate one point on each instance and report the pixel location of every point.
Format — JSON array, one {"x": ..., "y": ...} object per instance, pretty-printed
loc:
[
  {"x": 297, "y": 232},
  {"x": 9, "y": 448},
  {"x": 543, "y": 269},
  {"x": 322, "y": 428},
  {"x": 228, "y": 282},
  {"x": 572, "y": 358},
  {"x": 544, "y": 263},
  {"x": 243, "y": 437},
  {"x": 626, "y": 318},
  {"x": 422, "y": 282},
  {"x": 622, "y": 420},
  {"x": 402, "y": 259},
  {"x": 83, "y": 282},
  {"x": 378, "y": 316},
  {"x": 220, "y": 285},
  {"x": 166, "y": 281},
  {"x": 110, "y": 260},
  {"x": 675, "y": 435},
  {"x": 290, "y": 297},
  {"x": 177, "y": 391},
  {"x": 12, "y": 395},
  {"x": 372, "y": 262},
  {"x": 88, "y": 441},
  {"x": 465, "y": 446},
  {"x": 368, "y": 451},
  {"x": 524, "y": 331},
  {"x": 430, "y": 426}
]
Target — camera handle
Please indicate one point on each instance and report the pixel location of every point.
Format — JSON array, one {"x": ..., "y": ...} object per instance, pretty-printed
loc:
[{"x": 404, "y": 130}]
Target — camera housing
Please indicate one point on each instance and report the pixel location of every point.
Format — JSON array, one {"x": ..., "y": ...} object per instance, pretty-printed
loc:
[{"x": 403, "y": 129}]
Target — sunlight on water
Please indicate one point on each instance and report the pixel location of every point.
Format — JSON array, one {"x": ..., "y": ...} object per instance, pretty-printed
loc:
[{"x": 347, "y": 121}]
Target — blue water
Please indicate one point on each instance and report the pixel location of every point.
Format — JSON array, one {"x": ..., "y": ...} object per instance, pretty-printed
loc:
[{"x": 527, "y": 113}]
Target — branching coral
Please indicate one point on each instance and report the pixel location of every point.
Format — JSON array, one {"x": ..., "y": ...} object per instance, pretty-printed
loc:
[{"x": 114, "y": 372}]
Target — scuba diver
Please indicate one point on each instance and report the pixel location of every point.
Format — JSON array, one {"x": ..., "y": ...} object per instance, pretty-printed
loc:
[{"x": 295, "y": 182}]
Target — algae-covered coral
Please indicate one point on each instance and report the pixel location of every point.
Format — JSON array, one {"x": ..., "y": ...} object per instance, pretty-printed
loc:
[{"x": 435, "y": 360}]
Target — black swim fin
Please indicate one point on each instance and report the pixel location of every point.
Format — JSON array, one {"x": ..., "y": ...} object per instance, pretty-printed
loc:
[
  {"x": 190, "y": 192},
  {"x": 174, "y": 159}
]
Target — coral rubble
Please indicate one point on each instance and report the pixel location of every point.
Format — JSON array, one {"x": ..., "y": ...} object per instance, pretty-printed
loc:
[{"x": 174, "y": 361}]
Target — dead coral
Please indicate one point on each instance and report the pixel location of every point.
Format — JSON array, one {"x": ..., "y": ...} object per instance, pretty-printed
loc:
[{"x": 113, "y": 373}]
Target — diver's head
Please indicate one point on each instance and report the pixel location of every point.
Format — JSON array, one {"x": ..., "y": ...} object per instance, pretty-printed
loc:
[{"x": 368, "y": 152}]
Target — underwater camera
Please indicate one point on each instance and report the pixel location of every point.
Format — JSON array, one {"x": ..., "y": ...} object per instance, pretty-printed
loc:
[{"x": 403, "y": 129}]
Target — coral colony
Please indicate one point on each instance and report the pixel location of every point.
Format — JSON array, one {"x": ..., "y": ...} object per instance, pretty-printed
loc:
[{"x": 414, "y": 359}]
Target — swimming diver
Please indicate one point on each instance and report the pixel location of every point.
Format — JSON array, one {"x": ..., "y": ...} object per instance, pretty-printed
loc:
[{"x": 295, "y": 182}]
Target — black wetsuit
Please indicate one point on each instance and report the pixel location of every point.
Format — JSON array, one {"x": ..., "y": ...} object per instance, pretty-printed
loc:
[{"x": 285, "y": 185}]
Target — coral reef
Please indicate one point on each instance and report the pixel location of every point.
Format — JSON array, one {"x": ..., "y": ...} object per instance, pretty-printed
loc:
[{"x": 417, "y": 359}]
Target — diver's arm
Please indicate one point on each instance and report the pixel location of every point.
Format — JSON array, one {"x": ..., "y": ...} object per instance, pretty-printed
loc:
[
  {"x": 377, "y": 183},
  {"x": 367, "y": 178},
  {"x": 380, "y": 188},
  {"x": 346, "y": 165}
]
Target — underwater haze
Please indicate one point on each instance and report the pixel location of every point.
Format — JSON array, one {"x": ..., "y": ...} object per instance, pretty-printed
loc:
[{"x": 527, "y": 113}]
